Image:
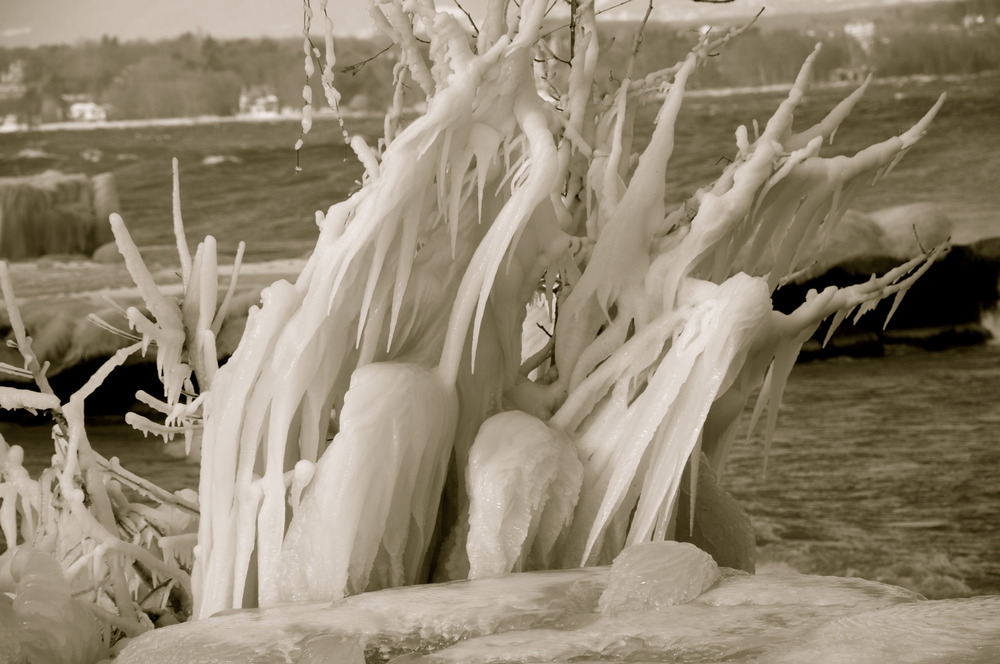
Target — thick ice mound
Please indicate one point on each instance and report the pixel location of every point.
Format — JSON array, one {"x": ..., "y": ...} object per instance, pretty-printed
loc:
[
  {"x": 43, "y": 605},
  {"x": 562, "y": 616}
]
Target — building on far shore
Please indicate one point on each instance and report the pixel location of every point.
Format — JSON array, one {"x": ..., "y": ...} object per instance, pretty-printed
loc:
[
  {"x": 83, "y": 109},
  {"x": 12, "y": 89},
  {"x": 259, "y": 101}
]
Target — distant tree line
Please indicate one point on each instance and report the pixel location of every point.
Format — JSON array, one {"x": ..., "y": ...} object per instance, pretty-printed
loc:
[
  {"x": 195, "y": 74},
  {"x": 767, "y": 55},
  {"x": 186, "y": 76}
]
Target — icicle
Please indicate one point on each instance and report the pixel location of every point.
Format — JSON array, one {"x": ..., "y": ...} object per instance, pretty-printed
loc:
[
  {"x": 838, "y": 318},
  {"x": 896, "y": 301},
  {"x": 248, "y": 510},
  {"x": 220, "y": 316},
  {"x": 183, "y": 252},
  {"x": 694, "y": 467}
]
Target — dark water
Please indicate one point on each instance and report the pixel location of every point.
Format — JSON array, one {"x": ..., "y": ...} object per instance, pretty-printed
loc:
[
  {"x": 259, "y": 197},
  {"x": 884, "y": 468}
]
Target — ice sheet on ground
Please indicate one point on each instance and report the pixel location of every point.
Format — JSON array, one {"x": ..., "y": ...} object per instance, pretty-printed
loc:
[{"x": 552, "y": 617}]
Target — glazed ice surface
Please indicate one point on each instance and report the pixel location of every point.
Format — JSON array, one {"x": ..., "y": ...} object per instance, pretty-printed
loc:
[{"x": 634, "y": 612}]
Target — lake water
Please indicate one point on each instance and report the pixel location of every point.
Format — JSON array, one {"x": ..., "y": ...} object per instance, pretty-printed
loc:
[{"x": 886, "y": 468}]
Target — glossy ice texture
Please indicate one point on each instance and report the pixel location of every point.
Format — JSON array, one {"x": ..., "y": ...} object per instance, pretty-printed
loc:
[{"x": 557, "y": 617}]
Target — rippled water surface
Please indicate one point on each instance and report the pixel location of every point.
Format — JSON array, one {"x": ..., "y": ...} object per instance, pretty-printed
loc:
[{"x": 883, "y": 468}]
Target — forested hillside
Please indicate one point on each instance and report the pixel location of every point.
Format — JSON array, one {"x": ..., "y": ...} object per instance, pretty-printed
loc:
[{"x": 195, "y": 74}]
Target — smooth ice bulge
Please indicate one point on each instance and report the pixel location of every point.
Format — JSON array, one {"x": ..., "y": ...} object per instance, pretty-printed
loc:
[{"x": 649, "y": 576}]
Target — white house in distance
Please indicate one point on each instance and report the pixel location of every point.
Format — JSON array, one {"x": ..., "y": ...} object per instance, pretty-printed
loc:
[
  {"x": 259, "y": 101},
  {"x": 87, "y": 111}
]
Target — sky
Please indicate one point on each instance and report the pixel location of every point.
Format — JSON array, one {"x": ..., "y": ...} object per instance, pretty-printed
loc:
[{"x": 34, "y": 22}]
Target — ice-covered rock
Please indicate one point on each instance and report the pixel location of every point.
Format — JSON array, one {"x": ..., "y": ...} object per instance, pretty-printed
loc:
[
  {"x": 900, "y": 232},
  {"x": 909, "y": 230},
  {"x": 555, "y": 617},
  {"x": 385, "y": 623},
  {"x": 55, "y": 213},
  {"x": 656, "y": 574},
  {"x": 107, "y": 253},
  {"x": 43, "y": 605}
]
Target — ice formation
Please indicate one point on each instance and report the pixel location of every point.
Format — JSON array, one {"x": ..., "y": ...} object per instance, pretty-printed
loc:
[
  {"x": 55, "y": 213},
  {"x": 377, "y": 424},
  {"x": 555, "y": 617}
]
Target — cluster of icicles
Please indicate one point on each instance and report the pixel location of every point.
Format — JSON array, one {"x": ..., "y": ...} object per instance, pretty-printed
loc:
[
  {"x": 380, "y": 423},
  {"x": 378, "y": 426}
]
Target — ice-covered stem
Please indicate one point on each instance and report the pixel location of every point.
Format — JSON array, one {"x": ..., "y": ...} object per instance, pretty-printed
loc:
[
  {"x": 223, "y": 311},
  {"x": 326, "y": 78},
  {"x": 21, "y": 337},
  {"x": 168, "y": 331},
  {"x": 583, "y": 69},
  {"x": 785, "y": 334},
  {"x": 329, "y": 61},
  {"x": 184, "y": 332},
  {"x": 398, "y": 25},
  {"x": 494, "y": 25},
  {"x": 83, "y": 494},
  {"x": 827, "y": 127},
  {"x": 93, "y": 508},
  {"x": 113, "y": 468},
  {"x": 623, "y": 229},
  {"x": 866, "y": 295},
  {"x": 621, "y": 256},
  {"x": 637, "y": 41},
  {"x": 310, "y": 69},
  {"x": 652, "y": 82}
]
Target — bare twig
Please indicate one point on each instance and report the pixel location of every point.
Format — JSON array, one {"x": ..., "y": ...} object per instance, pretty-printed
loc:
[
  {"x": 630, "y": 69},
  {"x": 573, "y": 5},
  {"x": 596, "y": 13},
  {"x": 356, "y": 68},
  {"x": 475, "y": 28}
]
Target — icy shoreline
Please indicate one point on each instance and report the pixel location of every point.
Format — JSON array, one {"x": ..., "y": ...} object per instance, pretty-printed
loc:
[{"x": 570, "y": 615}]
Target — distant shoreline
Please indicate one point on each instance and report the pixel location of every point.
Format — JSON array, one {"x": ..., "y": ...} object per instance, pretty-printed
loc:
[
  {"x": 138, "y": 123},
  {"x": 352, "y": 114}
]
